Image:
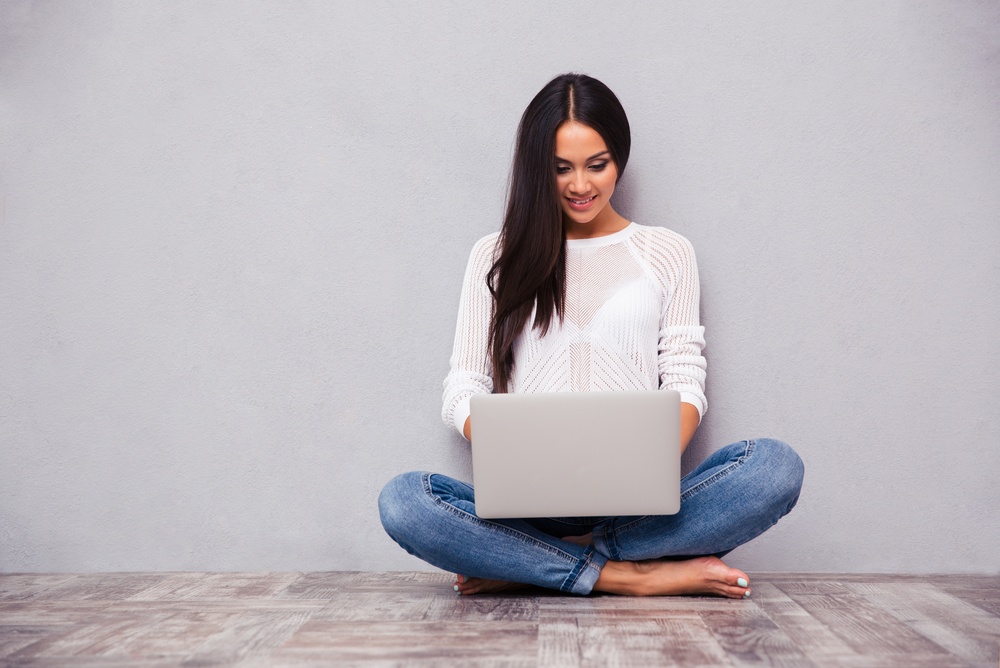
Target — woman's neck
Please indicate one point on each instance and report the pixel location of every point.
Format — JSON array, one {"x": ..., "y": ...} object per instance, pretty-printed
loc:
[{"x": 608, "y": 222}]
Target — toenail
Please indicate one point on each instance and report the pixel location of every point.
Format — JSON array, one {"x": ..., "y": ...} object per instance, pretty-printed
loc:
[
  {"x": 746, "y": 594},
  {"x": 741, "y": 582},
  {"x": 455, "y": 587}
]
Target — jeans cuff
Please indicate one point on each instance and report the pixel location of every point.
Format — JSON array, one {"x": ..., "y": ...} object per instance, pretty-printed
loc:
[
  {"x": 585, "y": 576},
  {"x": 604, "y": 543}
]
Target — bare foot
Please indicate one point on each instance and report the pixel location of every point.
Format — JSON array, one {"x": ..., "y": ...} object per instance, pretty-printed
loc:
[
  {"x": 658, "y": 577},
  {"x": 468, "y": 586}
]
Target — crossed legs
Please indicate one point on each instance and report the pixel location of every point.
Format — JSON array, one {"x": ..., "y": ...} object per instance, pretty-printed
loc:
[{"x": 733, "y": 496}]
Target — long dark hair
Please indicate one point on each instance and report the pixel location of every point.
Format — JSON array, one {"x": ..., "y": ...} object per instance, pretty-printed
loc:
[{"x": 530, "y": 270}]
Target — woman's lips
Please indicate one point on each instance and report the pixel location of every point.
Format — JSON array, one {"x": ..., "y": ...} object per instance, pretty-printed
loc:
[{"x": 581, "y": 204}]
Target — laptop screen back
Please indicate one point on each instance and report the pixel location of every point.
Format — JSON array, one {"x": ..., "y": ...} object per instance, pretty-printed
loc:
[{"x": 570, "y": 454}]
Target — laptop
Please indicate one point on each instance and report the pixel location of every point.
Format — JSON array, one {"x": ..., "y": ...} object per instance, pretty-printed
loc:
[{"x": 573, "y": 454}]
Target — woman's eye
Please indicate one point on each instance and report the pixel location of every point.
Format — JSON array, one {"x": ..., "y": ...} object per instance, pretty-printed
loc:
[
  {"x": 599, "y": 167},
  {"x": 561, "y": 169}
]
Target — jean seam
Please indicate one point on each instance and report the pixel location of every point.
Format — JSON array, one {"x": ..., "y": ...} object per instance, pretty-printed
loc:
[
  {"x": 588, "y": 562},
  {"x": 493, "y": 525},
  {"x": 609, "y": 540},
  {"x": 574, "y": 574},
  {"x": 722, "y": 473},
  {"x": 602, "y": 534},
  {"x": 711, "y": 480}
]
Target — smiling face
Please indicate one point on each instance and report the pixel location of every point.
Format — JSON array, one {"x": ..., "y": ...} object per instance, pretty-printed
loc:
[{"x": 585, "y": 180}]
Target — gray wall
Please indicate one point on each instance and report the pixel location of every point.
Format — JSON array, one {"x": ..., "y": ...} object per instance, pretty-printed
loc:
[{"x": 233, "y": 240}]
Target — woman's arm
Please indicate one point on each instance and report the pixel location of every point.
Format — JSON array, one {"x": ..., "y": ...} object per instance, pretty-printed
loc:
[
  {"x": 470, "y": 367},
  {"x": 690, "y": 419},
  {"x": 681, "y": 363}
]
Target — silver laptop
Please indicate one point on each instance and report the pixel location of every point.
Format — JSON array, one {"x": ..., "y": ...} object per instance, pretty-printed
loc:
[{"x": 567, "y": 454}]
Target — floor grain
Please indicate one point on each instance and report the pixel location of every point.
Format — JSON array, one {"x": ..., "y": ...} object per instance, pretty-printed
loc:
[{"x": 415, "y": 619}]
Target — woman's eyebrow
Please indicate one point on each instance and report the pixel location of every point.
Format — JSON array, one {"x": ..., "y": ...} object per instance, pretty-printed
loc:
[{"x": 596, "y": 155}]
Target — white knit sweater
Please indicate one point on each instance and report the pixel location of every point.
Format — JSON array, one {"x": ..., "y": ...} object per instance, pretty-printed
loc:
[{"x": 631, "y": 323}]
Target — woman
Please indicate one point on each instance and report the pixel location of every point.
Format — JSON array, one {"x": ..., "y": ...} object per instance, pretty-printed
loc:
[{"x": 571, "y": 296}]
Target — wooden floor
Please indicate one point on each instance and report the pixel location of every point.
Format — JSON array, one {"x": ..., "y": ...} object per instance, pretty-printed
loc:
[{"x": 403, "y": 619}]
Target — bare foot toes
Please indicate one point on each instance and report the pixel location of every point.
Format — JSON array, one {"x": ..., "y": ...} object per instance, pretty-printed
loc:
[
  {"x": 468, "y": 586},
  {"x": 657, "y": 577}
]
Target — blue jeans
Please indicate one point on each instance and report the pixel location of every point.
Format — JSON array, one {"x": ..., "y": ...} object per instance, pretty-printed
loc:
[{"x": 733, "y": 496}]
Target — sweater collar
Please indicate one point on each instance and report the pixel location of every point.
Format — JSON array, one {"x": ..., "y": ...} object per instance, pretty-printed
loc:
[{"x": 606, "y": 240}]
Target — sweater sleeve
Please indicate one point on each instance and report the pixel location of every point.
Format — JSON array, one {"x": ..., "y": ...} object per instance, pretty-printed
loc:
[
  {"x": 470, "y": 371},
  {"x": 682, "y": 366}
]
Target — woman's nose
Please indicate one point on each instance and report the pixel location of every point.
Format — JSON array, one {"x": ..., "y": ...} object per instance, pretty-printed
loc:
[{"x": 580, "y": 183}]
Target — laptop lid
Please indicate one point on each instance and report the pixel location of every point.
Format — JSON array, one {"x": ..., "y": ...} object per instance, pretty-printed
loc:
[{"x": 568, "y": 454}]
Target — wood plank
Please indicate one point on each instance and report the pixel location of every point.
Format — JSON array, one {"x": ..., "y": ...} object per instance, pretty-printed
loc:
[
  {"x": 501, "y": 608},
  {"x": 982, "y": 592},
  {"x": 748, "y": 635},
  {"x": 382, "y": 580},
  {"x": 316, "y": 585},
  {"x": 794, "y": 586},
  {"x": 894, "y": 661},
  {"x": 651, "y": 641},
  {"x": 101, "y": 586},
  {"x": 861, "y": 625},
  {"x": 215, "y": 605},
  {"x": 963, "y": 580},
  {"x": 93, "y": 661},
  {"x": 772, "y": 576},
  {"x": 629, "y": 631},
  {"x": 16, "y": 638},
  {"x": 583, "y": 604},
  {"x": 367, "y": 606},
  {"x": 250, "y": 634},
  {"x": 340, "y": 641},
  {"x": 558, "y": 641},
  {"x": 813, "y": 638},
  {"x": 297, "y": 659},
  {"x": 83, "y": 639},
  {"x": 166, "y": 585},
  {"x": 23, "y": 587},
  {"x": 231, "y": 586},
  {"x": 963, "y": 629},
  {"x": 48, "y": 613},
  {"x": 160, "y": 634}
]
